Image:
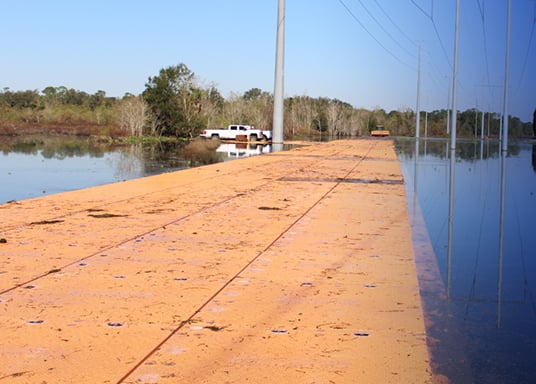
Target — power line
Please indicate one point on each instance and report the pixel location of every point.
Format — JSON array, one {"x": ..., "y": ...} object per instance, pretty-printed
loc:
[
  {"x": 373, "y": 37},
  {"x": 431, "y": 17},
  {"x": 402, "y": 33},
  {"x": 422, "y": 10},
  {"x": 396, "y": 26},
  {"x": 434, "y": 65},
  {"x": 386, "y": 32},
  {"x": 482, "y": 18},
  {"x": 434, "y": 79},
  {"x": 528, "y": 50},
  {"x": 439, "y": 37}
]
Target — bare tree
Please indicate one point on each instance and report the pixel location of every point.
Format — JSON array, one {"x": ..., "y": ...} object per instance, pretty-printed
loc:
[
  {"x": 356, "y": 126},
  {"x": 211, "y": 105},
  {"x": 133, "y": 113},
  {"x": 235, "y": 109},
  {"x": 302, "y": 114},
  {"x": 261, "y": 110},
  {"x": 334, "y": 116}
]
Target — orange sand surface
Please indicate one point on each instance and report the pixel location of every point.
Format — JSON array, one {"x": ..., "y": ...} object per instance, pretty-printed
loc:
[{"x": 292, "y": 267}]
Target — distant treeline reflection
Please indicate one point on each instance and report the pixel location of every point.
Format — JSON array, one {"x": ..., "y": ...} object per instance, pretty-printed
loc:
[
  {"x": 467, "y": 151},
  {"x": 174, "y": 154}
]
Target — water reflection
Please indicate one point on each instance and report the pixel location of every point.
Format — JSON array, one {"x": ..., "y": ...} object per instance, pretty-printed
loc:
[
  {"x": 51, "y": 147},
  {"x": 479, "y": 208},
  {"x": 239, "y": 150},
  {"x": 502, "y": 198},
  {"x": 534, "y": 157},
  {"x": 37, "y": 166}
]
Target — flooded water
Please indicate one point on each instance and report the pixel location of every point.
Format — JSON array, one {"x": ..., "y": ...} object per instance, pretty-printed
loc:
[
  {"x": 33, "y": 167},
  {"x": 478, "y": 282}
]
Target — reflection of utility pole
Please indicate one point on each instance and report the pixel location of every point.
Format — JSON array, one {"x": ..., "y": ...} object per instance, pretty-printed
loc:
[
  {"x": 450, "y": 233},
  {"x": 501, "y": 238},
  {"x": 277, "y": 136},
  {"x": 490, "y": 88},
  {"x": 415, "y": 178},
  {"x": 481, "y": 149}
]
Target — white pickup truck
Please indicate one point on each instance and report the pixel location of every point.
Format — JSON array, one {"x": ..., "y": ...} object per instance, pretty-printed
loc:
[{"x": 232, "y": 131}]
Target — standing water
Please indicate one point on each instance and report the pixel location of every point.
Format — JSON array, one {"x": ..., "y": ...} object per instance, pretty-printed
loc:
[
  {"x": 478, "y": 279},
  {"x": 38, "y": 166}
]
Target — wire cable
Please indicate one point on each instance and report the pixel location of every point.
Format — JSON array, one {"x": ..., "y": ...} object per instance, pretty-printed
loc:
[
  {"x": 422, "y": 10},
  {"x": 396, "y": 26},
  {"x": 407, "y": 38},
  {"x": 527, "y": 51},
  {"x": 486, "y": 55},
  {"x": 439, "y": 38},
  {"x": 482, "y": 18},
  {"x": 431, "y": 17},
  {"x": 374, "y": 37},
  {"x": 386, "y": 32}
]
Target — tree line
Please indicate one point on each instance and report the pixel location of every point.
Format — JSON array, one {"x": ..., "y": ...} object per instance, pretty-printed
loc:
[{"x": 175, "y": 103}]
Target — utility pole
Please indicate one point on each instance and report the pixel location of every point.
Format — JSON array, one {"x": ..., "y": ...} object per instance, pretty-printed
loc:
[
  {"x": 426, "y": 124},
  {"x": 277, "y": 136},
  {"x": 482, "y": 127},
  {"x": 476, "y": 119},
  {"x": 418, "y": 117},
  {"x": 490, "y": 115},
  {"x": 455, "y": 79},
  {"x": 501, "y": 122},
  {"x": 448, "y": 111},
  {"x": 506, "y": 81},
  {"x": 489, "y": 121}
]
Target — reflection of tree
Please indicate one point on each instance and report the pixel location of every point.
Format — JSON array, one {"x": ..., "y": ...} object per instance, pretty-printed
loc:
[
  {"x": 465, "y": 151},
  {"x": 54, "y": 148},
  {"x": 534, "y": 123},
  {"x": 534, "y": 157},
  {"x": 62, "y": 150},
  {"x": 129, "y": 161},
  {"x": 30, "y": 148},
  {"x": 162, "y": 156},
  {"x": 153, "y": 158},
  {"x": 471, "y": 151},
  {"x": 165, "y": 156},
  {"x": 201, "y": 152}
]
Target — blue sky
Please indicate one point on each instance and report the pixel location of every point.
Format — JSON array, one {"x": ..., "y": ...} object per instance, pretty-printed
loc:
[{"x": 363, "y": 52}]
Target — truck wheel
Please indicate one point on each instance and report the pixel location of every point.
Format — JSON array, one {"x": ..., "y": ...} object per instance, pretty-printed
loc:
[
  {"x": 253, "y": 138},
  {"x": 215, "y": 137}
]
